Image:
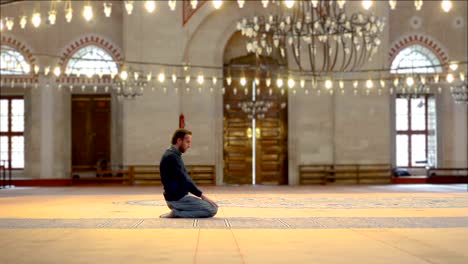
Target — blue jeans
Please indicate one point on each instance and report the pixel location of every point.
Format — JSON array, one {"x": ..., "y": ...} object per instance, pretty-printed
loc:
[{"x": 192, "y": 207}]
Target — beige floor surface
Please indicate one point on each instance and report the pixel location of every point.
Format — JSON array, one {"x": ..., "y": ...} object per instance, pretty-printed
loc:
[{"x": 316, "y": 224}]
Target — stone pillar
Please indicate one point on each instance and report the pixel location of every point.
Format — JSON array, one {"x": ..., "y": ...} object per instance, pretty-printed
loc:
[{"x": 46, "y": 112}]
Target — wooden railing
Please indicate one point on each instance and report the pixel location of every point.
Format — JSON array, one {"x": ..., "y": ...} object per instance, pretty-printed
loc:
[
  {"x": 447, "y": 175},
  {"x": 146, "y": 175},
  {"x": 149, "y": 174},
  {"x": 93, "y": 175},
  {"x": 139, "y": 174},
  {"x": 344, "y": 173}
]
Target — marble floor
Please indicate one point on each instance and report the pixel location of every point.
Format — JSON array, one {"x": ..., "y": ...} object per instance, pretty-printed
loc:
[{"x": 255, "y": 224}]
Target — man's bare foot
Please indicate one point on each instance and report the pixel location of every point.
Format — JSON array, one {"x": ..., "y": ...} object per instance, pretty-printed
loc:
[{"x": 167, "y": 215}]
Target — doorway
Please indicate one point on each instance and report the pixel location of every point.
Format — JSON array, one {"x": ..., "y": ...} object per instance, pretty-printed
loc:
[
  {"x": 91, "y": 122},
  {"x": 255, "y": 124}
]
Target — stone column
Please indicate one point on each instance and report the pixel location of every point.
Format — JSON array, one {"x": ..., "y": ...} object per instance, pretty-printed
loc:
[{"x": 46, "y": 113}]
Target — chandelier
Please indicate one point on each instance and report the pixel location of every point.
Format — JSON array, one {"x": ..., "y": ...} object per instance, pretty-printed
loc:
[
  {"x": 460, "y": 90},
  {"x": 321, "y": 36},
  {"x": 255, "y": 109},
  {"x": 460, "y": 94}
]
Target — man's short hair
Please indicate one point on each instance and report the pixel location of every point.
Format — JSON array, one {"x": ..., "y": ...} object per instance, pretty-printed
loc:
[{"x": 180, "y": 133}]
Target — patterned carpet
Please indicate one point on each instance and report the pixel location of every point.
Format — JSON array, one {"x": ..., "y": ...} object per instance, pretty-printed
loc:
[
  {"x": 239, "y": 223},
  {"x": 328, "y": 203}
]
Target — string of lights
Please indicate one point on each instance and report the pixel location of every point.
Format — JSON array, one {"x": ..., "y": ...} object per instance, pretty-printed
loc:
[{"x": 89, "y": 9}]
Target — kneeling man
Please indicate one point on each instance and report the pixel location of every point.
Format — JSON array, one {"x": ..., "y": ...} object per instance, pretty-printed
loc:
[{"x": 177, "y": 183}]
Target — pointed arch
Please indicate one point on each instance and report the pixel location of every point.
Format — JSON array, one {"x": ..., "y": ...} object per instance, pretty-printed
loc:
[
  {"x": 85, "y": 43},
  {"x": 90, "y": 40},
  {"x": 424, "y": 45},
  {"x": 21, "y": 54}
]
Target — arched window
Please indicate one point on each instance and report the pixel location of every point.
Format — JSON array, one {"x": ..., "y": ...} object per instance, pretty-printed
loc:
[
  {"x": 416, "y": 129},
  {"x": 91, "y": 60},
  {"x": 416, "y": 59},
  {"x": 12, "y": 62}
]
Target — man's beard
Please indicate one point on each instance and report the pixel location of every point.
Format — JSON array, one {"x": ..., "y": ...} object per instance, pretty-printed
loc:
[{"x": 181, "y": 149}]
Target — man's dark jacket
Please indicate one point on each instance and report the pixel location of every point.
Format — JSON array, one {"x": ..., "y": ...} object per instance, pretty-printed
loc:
[{"x": 177, "y": 183}]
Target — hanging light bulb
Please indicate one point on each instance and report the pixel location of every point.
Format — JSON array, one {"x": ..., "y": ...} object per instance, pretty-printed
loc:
[
  {"x": 150, "y": 6},
  {"x": 172, "y": 4},
  {"x": 243, "y": 81},
  {"x": 23, "y": 22},
  {"x": 341, "y": 3},
  {"x": 302, "y": 83},
  {"x": 36, "y": 69},
  {"x": 382, "y": 83},
  {"x": 436, "y": 78},
  {"x": 217, "y": 4},
  {"x": 268, "y": 82},
  {"x": 418, "y": 4},
  {"x": 369, "y": 84},
  {"x": 100, "y": 73},
  {"x": 314, "y": 3},
  {"x": 57, "y": 71},
  {"x": 355, "y": 84},
  {"x": 257, "y": 81},
  {"x": 446, "y": 5},
  {"x": 9, "y": 23},
  {"x": 291, "y": 83},
  {"x": 149, "y": 76},
  {"x": 129, "y": 7},
  {"x": 27, "y": 68},
  {"x": 449, "y": 78},
  {"x": 88, "y": 12},
  {"x": 367, "y": 4},
  {"x": 279, "y": 82},
  {"x": 174, "y": 78},
  {"x": 200, "y": 79},
  {"x": 423, "y": 80},
  {"x": 392, "y": 4},
  {"x": 328, "y": 84},
  {"x": 241, "y": 3},
  {"x": 107, "y": 9},
  {"x": 265, "y": 3},
  {"x": 52, "y": 17},
  {"x": 47, "y": 70},
  {"x": 67, "y": 71},
  {"x": 194, "y": 4},
  {"x": 89, "y": 73},
  {"x": 215, "y": 80},
  {"x": 409, "y": 81},
  {"x": 341, "y": 83},
  {"x": 462, "y": 76},
  {"x": 161, "y": 77},
  {"x": 1, "y": 25},
  {"x": 229, "y": 80},
  {"x": 69, "y": 14},
  {"x": 289, "y": 3},
  {"x": 36, "y": 20},
  {"x": 124, "y": 75},
  {"x": 453, "y": 66},
  {"x": 187, "y": 79}
]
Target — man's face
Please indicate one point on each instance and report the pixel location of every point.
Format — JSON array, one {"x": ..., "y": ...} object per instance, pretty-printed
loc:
[{"x": 185, "y": 144}]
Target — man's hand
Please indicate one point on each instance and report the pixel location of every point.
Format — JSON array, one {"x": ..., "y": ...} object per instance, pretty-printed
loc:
[{"x": 209, "y": 200}]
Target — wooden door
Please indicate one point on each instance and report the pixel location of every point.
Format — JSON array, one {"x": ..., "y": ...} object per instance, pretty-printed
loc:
[
  {"x": 271, "y": 140},
  {"x": 237, "y": 143},
  {"x": 91, "y": 121}
]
